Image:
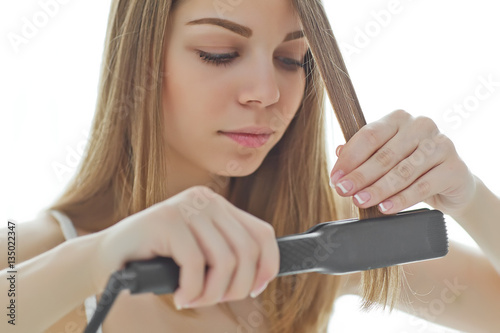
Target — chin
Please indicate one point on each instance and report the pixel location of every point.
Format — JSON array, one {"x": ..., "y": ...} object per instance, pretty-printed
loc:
[{"x": 241, "y": 165}]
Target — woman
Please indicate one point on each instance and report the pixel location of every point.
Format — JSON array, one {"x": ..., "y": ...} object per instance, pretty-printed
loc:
[{"x": 167, "y": 171}]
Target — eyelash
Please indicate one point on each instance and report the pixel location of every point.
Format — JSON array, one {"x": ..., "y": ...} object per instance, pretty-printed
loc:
[{"x": 226, "y": 58}]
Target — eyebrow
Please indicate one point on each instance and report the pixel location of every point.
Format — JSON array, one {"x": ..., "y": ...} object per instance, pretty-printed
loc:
[{"x": 240, "y": 29}]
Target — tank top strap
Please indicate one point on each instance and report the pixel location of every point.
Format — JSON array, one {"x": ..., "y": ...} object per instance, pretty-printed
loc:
[{"x": 67, "y": 227}]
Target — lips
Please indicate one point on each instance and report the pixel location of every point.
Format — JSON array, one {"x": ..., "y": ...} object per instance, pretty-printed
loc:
[
  {"x": 251, "y": 130},
  {"x": 249, "y": 140}
]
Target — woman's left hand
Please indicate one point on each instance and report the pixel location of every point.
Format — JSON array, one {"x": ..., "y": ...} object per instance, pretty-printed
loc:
[{"x": 399, "y": 161}]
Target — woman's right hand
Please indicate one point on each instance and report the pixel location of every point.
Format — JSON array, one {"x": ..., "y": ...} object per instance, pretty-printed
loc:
[{"x": 197, "y": 227}]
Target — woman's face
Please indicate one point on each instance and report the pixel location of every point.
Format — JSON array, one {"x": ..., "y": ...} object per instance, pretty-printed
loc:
[{"x": 258, "y": 82}]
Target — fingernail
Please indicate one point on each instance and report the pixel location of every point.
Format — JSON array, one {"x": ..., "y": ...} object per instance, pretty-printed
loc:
[
  {"x": 258, "y": 291},
  {"x": 386, "y": 205},
  {"x": 177, "y": 306},
  {"x": 362, "y": 197},
  {"x": 337, "y": 152},
  {"x": 345, "y": 186},
  {"x": 336, "y": 176}
]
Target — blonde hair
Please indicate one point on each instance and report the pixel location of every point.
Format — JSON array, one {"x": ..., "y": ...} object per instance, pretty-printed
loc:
[{"x": 289, "y": 190}]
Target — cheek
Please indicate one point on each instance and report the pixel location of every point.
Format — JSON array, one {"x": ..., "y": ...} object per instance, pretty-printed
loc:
[
  {"x": 189, "y": 99},
  {"x": 292, "y": 94}
]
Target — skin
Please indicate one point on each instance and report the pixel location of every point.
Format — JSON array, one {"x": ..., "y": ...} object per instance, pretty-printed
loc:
[{"x": 257, "y": 88}]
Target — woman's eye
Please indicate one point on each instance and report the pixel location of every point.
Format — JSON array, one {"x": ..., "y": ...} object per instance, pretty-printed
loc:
[
  {"x": 226, "y": 58},
  {"x": 217, "y": 59},
  {"x": 292, "y": 62}
]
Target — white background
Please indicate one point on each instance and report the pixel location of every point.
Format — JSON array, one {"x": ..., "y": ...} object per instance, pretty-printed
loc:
[{"x": 424, "y": 56}]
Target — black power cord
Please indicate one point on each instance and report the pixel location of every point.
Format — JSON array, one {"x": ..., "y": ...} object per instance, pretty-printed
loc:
[{"x": 159, "y": 275}]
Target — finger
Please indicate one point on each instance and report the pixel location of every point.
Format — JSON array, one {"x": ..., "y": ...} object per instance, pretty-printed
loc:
[
  {"x": 423, "y": 188},
  {"x": 247, "y": 251},
  {"x": 264, "y": 235},
  {"x": 412, "y": 132},
  {"x": 188, "y": 255},
  {"x": 380, "y": 163},
  {"x": 399, "y": 177},
  {"x": 220, "y": 259},
  {"x": 366, "y": 142}
]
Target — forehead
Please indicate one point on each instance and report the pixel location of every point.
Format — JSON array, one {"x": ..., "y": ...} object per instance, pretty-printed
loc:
[{"x": 266, "y": 16}]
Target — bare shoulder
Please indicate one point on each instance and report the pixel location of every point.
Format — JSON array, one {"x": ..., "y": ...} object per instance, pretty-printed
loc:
[{"x": 33, "y": 237}]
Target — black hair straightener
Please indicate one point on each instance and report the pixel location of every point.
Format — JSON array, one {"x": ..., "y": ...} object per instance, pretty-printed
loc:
[{"x": 338, "y": 247}]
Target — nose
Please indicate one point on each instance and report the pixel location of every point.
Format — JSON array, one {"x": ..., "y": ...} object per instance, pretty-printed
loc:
[{"x": 260, "y": 85}]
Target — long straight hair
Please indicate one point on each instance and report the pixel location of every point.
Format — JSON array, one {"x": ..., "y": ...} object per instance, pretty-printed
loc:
[
  {"x": 378, "y": 285},
  {"x": 289, "y": 190}
]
